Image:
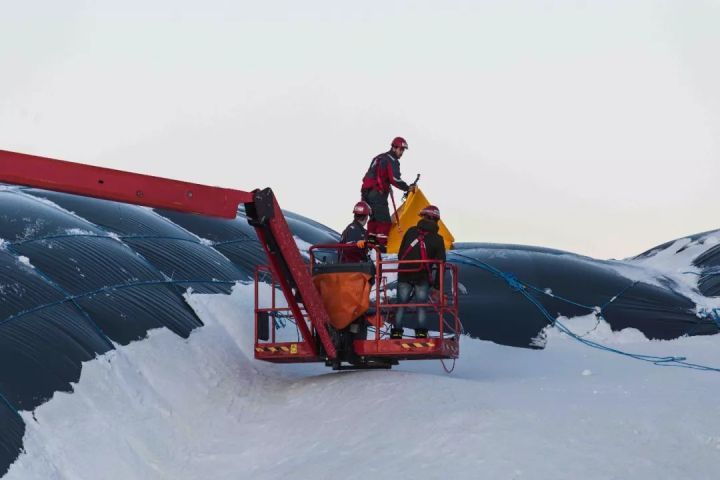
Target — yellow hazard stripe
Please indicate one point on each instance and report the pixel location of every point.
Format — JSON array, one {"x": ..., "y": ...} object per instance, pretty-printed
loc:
[
  {"x": 293, "y": 349},
  {"x": 412, "y": 345}
]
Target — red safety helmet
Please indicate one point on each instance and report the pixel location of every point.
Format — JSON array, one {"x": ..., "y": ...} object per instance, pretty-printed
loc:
[
  {"x": 431, "y": 211},
  {"x": 399, "y": 142},
  {"x": 362, "y": 208}
]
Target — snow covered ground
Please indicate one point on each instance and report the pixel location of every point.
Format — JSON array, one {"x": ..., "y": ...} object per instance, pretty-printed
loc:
[{"x": 203, "y": 408}]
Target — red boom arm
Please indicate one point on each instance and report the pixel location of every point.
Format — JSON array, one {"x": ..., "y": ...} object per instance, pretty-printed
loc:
[
  {"x": 260, "y": 205},
  {"x": 126, "y": 187}
]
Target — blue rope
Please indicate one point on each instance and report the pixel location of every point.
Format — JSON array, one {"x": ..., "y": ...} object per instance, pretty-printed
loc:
[
  {"x": 670, "y": 361},
  {"x": 229, "y": 242},
  {"x": 82, "y": 311},
  {"x": 72, "y": 298},
  {"x": 121, "y": 237},
  {"x": 544, "y": 292},
  {"x": 54, "y": 237},
  {"x": 622, "y": 292}
]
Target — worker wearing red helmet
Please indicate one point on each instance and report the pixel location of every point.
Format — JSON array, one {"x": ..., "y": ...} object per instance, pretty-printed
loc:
[
  {"x": 421, "y": 242},
  {"x": 383, "y": 174},
  {"x": 355, "y": 234}
]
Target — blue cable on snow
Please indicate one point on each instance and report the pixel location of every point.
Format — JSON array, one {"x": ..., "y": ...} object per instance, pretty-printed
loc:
[{"x": 517, "y": 285}]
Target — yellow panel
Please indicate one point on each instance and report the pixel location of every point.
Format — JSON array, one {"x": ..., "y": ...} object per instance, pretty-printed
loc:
[{"x": 408, "y": 214}]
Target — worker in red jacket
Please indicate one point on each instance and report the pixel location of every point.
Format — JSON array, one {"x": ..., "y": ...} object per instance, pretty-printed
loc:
[
  {"x": 356, "y": 235},
  {"x": 421, "y": 242},
  {"x": 383, "y": 174}
]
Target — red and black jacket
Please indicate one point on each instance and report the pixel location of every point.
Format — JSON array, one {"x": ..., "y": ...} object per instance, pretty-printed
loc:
[
  {"x": 421, "y": 242},
  {"x": 384, "y": 171}
]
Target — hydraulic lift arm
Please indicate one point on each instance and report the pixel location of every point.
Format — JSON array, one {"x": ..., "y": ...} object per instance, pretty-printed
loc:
[{"x": 261, "y": 208}]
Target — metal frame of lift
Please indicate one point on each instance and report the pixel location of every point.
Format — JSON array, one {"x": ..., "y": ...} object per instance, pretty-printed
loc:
[{"x": 380, "y": 351}]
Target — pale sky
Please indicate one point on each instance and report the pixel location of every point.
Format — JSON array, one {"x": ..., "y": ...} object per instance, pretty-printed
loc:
[{"x": 592, "y": 127}]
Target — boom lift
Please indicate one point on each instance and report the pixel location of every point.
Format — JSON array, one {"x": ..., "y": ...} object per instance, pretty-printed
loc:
[{"x": 288, "y": 272}]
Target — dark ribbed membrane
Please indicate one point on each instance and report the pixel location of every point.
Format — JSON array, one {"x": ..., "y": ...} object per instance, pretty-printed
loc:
[
  {"x": 492, "y": 310},
  {"x": 79, "y": 275},
  {"x": 235, "y": 238},
  {"x": 13, "y": 429},
  {"x": 191, "y": 263},
  {"x": 118, "y": 218},
  {"x": 707, "y": 262},
  {"x": 23, "y": 217},
  {"x": 43, "y": 337},
  {"x": 45, "y": 350}
]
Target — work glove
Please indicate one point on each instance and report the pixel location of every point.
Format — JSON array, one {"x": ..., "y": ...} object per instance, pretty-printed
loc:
[
  {"x": 360, "y": 244},
  {"x": 411, "y": 188}
]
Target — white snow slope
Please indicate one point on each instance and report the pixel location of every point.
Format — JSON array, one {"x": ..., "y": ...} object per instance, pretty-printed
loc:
[{"x": 203, "y": 408}]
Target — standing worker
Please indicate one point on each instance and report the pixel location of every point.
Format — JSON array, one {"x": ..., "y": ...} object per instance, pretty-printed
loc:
[
  {"x": 421, "y": 242},
  {"x": 384, "y": 172},
  {"x": 355, "y": 234}
]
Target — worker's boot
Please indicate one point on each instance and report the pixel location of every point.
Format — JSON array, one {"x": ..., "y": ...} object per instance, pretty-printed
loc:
[
  {"x": 421, "y": 333},
  {"x": 396, "y": 333}
]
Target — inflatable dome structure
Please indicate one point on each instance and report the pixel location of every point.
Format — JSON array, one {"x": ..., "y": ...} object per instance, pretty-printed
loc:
[{"x": 81, "y": 276}]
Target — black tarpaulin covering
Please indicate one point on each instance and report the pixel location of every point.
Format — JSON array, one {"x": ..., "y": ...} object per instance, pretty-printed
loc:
[
  {"x": 118, "y": 218},
  {"x": 43, "y": 337},
  {"x": 172, "y": 250},
  {"x": 235, "y": 238},
  {"x": 42, "y": 352},
  {"x": 707, "y": 261},
  {"x": 188, "y": 262},
  {"x": 110, "y": 283},
  {"x": 12, "y": 429},
  {"x": 78, "y": 275},
  {"x": 491, "y": 309},
  {"x": 24, "y": 218},
  {"x": 309, "y": 230}
]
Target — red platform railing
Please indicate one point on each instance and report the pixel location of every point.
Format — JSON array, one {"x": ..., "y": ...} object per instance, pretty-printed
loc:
[
  {"x": 442, "y": 342},
  {"x": 271, "y": 349}
]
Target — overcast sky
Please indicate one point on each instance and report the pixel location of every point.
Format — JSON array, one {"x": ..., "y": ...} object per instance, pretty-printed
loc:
[{"x": 586, "y": 126}]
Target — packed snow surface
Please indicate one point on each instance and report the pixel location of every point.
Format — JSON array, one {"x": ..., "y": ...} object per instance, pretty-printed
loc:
[{"x": 202, "y": 407}]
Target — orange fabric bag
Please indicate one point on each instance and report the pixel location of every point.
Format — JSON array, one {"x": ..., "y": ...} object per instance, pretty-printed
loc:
[{"x": 346, "y": 295}]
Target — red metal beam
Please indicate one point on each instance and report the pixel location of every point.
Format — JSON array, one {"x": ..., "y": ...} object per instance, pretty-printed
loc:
[
  {"x": 301, "y": 273},
  {"x": 126, "y": 187}
]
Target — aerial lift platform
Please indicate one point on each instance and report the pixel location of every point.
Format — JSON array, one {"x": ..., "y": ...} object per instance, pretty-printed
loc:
[{"x": 287, "y": 272}]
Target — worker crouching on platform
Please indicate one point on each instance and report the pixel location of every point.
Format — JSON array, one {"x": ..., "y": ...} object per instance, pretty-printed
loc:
[{"x": 422, "y": 242}]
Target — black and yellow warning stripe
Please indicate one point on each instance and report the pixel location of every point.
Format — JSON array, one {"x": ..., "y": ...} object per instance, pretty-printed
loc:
[
  {"x": 292, "y": 349},
  {"x": 414, "y": 345}
]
